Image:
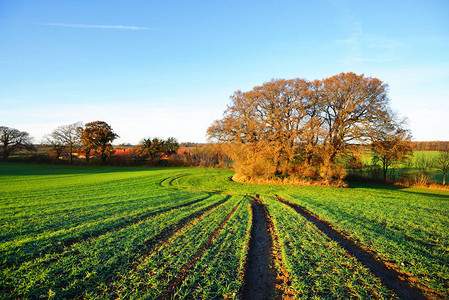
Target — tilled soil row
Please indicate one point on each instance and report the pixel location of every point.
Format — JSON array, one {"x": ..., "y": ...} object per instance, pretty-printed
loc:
[
  {"x": 265, "y": 273},
  {"x": 395, "y": 280},
  {"x": 185, "y": 271}
]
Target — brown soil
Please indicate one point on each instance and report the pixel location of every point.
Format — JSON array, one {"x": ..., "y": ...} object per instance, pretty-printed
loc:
[
  {"x": 284, "y": 288},
  {"x": 393, "y": 279},
  {"x": 259, "y": 277}
]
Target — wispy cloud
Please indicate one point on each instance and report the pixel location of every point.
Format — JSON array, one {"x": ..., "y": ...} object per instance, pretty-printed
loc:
[
  {"x": 368, "y": 48},
  {"x": 121, "y": 27},
  {"x": 358, "y": 47}
]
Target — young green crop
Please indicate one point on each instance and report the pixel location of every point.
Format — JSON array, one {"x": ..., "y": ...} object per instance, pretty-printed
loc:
[
  {"x": 406, "y": 227},
  {"x": 91, "y": 231},
  {"x": 319, "y": 267},
  {"x": 220, "y": 271},
  {"x": 152, "y": 275},
  {"x": 90, "y": 264}
]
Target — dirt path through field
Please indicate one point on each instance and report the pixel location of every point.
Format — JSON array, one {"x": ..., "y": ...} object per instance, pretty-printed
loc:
[
  {"x": 259, "y": 278},
  {"x": 391, "y": 278}
]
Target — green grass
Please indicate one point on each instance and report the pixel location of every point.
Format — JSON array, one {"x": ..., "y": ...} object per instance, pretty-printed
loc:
[
  {"x": 404, "y": 226},
  {"x": 408, "y": 167},
  {"x": 105, "y": 232},
  {"x": 318, "y": 265}
]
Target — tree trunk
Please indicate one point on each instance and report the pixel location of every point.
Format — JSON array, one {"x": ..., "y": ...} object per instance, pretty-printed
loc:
[
  {"x": 444, "y": 179},
  {"x": 71, "y": 153}
]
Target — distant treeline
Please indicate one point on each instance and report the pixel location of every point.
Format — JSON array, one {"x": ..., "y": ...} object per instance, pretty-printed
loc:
[{"x": 430, "y": 146}]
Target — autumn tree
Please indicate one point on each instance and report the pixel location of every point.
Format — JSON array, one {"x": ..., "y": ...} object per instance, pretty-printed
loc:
[
  {"x": 12, "y": 140},
  {"x": 98, "y": 136},
  {"x": 442, "y": 163},
  {"x": 68, "y": 135},
  {"x": 315, "y": 123},
  {"x": 391, "y": 145},
  {"x": 57, "y": 145},
  {"x": 272, "y": 113},
  {"x": 86, "y": 144},
  {"x": 352, "y": 107}
]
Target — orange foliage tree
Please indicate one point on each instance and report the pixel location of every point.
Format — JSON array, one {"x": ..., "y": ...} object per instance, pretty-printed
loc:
[
  {"x": 301, "y": 125},
  {"x": 98, "y": 136}
]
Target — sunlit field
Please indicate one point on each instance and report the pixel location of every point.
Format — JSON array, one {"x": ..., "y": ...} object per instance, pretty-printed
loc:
[{"x": 105, "y": 232}]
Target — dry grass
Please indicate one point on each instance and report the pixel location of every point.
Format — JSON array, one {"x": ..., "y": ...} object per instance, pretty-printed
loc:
[
  {"x": 429, "y": 186},
  {"x": 290, "y": 181}
]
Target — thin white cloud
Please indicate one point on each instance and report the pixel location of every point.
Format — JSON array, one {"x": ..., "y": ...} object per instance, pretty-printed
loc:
[{"x": 121, "y": 27}]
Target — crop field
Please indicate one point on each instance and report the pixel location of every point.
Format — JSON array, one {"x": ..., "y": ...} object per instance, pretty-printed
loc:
[{"x": 163, "y": 233}]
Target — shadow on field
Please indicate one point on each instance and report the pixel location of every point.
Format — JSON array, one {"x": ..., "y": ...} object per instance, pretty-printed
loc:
[
  {"x": 393, "y": 279},
  {"x": 398, "y": 188},
  {"x": 29, "y": 169}
]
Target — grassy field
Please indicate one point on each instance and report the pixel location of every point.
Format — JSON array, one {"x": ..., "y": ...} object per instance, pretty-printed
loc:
[
  {"x": 104, "y": 232},
  {"x": 435, "y": 173}
]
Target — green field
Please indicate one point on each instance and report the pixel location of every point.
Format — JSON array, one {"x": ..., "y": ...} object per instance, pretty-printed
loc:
[
  {"x": 104, "y": 232},
  {"x": 409, "y": 166}
]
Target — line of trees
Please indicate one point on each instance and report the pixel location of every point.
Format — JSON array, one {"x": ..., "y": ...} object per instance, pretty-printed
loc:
[
  {"x": 430, "y": 146},
  {"x": 96, "y": 137},
  {"x": 311, "y": 128},
  {"x": 13, "y": 140},
  {"x": 151, "y": 149},
  {"x": 425, "y": 164},
  {"x": 91, "y": 139}
]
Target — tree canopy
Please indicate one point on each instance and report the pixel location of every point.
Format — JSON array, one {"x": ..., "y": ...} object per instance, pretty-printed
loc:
[
  {"x": 153, "y": 148},
  {"x": 304, "y": 126},
  {"x": 442, "y": 163},
  {"x": 98, "y": 136},
  {"x": 12, "y": 140},
  {"x": 68, "y": 135},
  {"x": 391, "y": 145}
]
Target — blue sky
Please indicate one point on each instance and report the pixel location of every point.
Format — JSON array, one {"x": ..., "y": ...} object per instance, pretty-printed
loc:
[{"x": 167, "y": 68}]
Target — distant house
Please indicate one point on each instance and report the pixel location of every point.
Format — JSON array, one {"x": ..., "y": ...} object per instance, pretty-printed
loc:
[
  {"x": 181, "y": 151},
  {"x": 165, "y": 156},
  {"x": 122, "y": 151},
  {"x": 184, "y": 151},
  {"x": 82, "y": 154}
]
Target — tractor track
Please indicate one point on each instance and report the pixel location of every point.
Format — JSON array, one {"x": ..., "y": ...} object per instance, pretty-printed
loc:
[
  {"x": 265, "y": 274},
  {"x": 259, "y": 278},
  {"x": 395, "y": 280}
]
